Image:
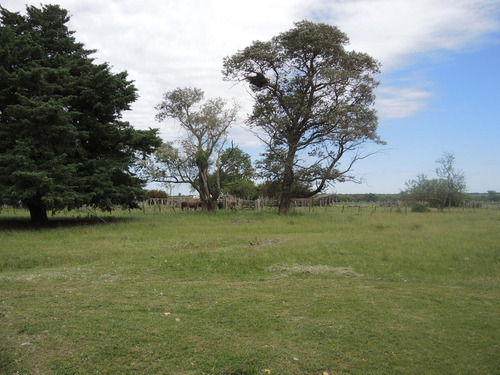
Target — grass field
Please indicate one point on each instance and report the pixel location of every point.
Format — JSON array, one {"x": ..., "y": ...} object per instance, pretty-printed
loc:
[{"x": 252, "y": 293}]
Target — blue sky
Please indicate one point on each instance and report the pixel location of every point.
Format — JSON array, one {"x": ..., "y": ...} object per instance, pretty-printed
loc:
[
  {"x": 439, "y": 89},
  {"x": 461, "y": 115}
]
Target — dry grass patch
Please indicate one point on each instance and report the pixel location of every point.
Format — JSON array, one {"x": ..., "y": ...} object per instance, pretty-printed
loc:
[
  {"x": 268, "y": 242},
  {"x": 236, "y": 221},
  {"x": 314, "y": 270}
]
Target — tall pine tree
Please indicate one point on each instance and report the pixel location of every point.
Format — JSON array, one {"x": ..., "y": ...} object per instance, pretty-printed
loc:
[{"x": 62, "y": 143}]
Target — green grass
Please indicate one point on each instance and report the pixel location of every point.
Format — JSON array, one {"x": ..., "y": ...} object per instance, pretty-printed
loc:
[{"x": 245, "y": 292}]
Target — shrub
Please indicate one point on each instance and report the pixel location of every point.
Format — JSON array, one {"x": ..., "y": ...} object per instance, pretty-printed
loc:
[{"x": 419, "y": 207}]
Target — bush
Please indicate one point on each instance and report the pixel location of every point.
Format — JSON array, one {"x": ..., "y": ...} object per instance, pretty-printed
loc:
[
  {"x": 157, "y": 194},
  {"x": 420, "y": 207}
]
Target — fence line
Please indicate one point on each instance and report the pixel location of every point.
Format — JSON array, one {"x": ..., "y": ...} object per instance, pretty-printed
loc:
[{"x": 325, "y": 202}]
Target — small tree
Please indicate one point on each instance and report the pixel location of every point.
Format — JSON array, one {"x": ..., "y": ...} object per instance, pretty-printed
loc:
[
  {"x": 198, "y": 161},
  {"x": 423, "y": 189},
  {"x": 313, "y": 105},
  {"x": 236, "y": 176},
  {"x": 245, "y": 189},
  {"x": 447, "y": 190},
  {"x": 452, "y": 179}
]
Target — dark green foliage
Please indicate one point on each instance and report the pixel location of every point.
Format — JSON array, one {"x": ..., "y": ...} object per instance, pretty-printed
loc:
[
  {"x": 419, "y": 207},
  {"x": 236, "y": 173},
  {"x": 62, "y": 143},
  {"x": 157, "y": 194},
  {"x": 245, "y": 189},
  {"x": 272, "y": 189}
]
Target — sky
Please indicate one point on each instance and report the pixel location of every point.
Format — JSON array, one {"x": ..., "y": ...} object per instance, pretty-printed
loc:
[{"x": 439, "y": 82}]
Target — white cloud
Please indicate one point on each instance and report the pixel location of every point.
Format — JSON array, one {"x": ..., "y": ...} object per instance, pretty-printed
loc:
[
  {"x": 171, "y": 43},
  {"x": 401, "y": 33},
  {"x": 394, "y": 102},
  {"x": 397, "y": 31}
]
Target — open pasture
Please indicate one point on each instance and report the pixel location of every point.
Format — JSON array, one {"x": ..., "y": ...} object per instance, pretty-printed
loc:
[{"x": 252, "y": 293}]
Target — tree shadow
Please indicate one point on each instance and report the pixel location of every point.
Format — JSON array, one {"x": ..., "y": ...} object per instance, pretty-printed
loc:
[{"x": 24, "y": 223}]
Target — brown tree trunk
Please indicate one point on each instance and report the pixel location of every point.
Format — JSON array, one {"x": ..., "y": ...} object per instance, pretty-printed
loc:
[
  {"x": 209, "y": 205},
  {"x": 212, "y": 205},
  {"x": 285, "y": 203}
]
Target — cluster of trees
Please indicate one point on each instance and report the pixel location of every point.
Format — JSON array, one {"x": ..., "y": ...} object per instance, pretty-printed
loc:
[
  {"x": 313, "y": 106},
  {"x": 63, "y": 144},
  {"x": 448, "y": 189},
  {"x": 489, "y": 196},
  {"x": 493, "y": 196}
]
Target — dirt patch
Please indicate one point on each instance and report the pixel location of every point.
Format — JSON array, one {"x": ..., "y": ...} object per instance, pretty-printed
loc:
[{"x": 314, "y": 270}]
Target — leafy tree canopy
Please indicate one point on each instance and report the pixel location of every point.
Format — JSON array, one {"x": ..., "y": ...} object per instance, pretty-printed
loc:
[
  {"x": 273, "y": 189},
  {"x": 62, "y": 143},
  {"x": 199, "y": 159},
  {"x": 312, "y": 105},
  {"x": 237, "y": 173}
]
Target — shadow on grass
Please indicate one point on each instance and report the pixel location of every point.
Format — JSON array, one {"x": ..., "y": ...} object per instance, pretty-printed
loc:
[{"x": 24, "y": 223}]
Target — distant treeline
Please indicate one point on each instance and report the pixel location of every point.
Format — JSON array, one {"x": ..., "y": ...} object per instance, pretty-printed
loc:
[{"x": 490, "y": 196}]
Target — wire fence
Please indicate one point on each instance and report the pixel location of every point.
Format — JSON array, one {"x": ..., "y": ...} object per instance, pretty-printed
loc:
[
  {"x": 326, "y": 203},
  {"x": 323, "y": 202}
]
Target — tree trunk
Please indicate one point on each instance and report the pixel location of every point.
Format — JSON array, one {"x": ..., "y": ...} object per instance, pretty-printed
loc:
[
  {"x": 209, "y": 205},
  {"x": 285, "y": 203},
  {"x": 212, "y": 205},
  {"x": 38, "y": 213},
  {"x": 208, "y": 197},
  {"x": 286, "y": 190}
]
